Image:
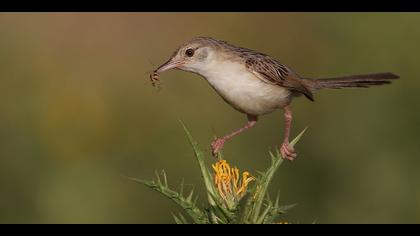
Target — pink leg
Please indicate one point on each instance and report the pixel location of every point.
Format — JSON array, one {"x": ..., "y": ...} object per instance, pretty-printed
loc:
[
  {"x": 286, "y": 151},
  {"x": 218, "y": 143}
]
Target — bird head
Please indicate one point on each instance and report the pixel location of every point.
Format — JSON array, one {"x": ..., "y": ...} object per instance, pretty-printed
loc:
[{"x": 195, "y": 56}]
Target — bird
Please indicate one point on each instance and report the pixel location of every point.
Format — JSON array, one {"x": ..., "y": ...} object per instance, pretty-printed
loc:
[{"x": 255, "y": 83}]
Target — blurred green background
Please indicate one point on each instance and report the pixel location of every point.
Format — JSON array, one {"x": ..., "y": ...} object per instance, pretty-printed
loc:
[{"x": 77, "y": 113}]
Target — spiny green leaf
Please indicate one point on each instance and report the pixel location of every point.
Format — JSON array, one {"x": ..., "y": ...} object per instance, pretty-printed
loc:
[
  {"x": 195, "y": 200},
  {"x": 165, "y": 180},
  {"x": 179, "y": 219},
  {"x": 260, "y": 173},
  {"x": 267, "y": 196},
  {"x": 243, "y": 208},
  {"x": 264, "y": 214},
  {"x": 182, "y": 218},
  {"x": 273, "y": 158},
  {"x": 190, "y": 208},
  {"x": 219, "y": 206},
  {"x": 265, "y": 181},
  {"x": 223, "y": 215},
  {"x": 276, "y": 203},
  {"x": 157, "y": 177},
  {"x": 295, "y": 140},
  {"x": 255, "y": 207},
  {"x": 190, "y": 196},
  {"x": 275, "y": 213},
  {"x": 213, "y": 219},
  {"x": 285, "y": 208},
  {"x": 208, "y": 179}
]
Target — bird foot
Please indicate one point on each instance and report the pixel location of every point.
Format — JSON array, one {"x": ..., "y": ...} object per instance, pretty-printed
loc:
[
  {"x": 287, "y": 152},
  {"x": 217, "y": 145}
]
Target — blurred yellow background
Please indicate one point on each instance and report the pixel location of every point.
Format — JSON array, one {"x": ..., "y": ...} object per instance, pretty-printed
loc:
[{"x": 77, "y": 113}]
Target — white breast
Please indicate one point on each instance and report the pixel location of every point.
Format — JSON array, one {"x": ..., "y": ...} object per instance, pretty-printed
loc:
[{"x": 241, "y": 89}]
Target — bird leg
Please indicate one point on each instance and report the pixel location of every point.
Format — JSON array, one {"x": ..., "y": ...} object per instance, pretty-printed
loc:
[
  {"x": 287, "y": 152},
  {"x": 218, "y": 143}
]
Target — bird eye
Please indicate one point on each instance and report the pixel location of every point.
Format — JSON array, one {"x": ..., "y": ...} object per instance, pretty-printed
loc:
[{"x": 189, "y": 52}]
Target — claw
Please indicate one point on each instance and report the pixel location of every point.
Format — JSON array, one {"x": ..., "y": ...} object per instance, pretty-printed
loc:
[
  {"x": 288, "y": 152},
  {"x": 217, "y": 145}
]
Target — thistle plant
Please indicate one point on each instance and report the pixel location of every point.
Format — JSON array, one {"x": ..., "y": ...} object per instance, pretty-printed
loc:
[{"x": 233, "y": 197}]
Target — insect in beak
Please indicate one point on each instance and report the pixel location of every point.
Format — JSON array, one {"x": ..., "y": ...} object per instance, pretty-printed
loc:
[{"x": 170, "y": 64}]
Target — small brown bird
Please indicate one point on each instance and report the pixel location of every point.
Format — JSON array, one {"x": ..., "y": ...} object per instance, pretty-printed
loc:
[{"x": 254, "y": 83}]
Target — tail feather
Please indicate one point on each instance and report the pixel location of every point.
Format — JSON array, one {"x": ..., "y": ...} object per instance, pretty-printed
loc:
[{"x": 353, "y": 81}]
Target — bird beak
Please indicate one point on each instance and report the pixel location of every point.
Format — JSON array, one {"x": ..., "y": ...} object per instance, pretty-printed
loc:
[{"x": 170, "y": 64}]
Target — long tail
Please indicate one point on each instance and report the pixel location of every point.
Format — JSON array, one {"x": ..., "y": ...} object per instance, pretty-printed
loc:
[{"x": 353, "y": 81}]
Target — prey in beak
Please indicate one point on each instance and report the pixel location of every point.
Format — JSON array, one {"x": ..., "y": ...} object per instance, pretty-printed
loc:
[{"x": 170, "y": 64}]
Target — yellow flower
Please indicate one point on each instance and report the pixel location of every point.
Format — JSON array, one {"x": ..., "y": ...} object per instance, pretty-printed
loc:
[{"x": 228, "y": 182}]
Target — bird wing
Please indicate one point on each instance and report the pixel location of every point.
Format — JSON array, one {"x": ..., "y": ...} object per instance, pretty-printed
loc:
[
  {"x": 270, "y": 71},
  {"x": 267, "y": 69}
]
